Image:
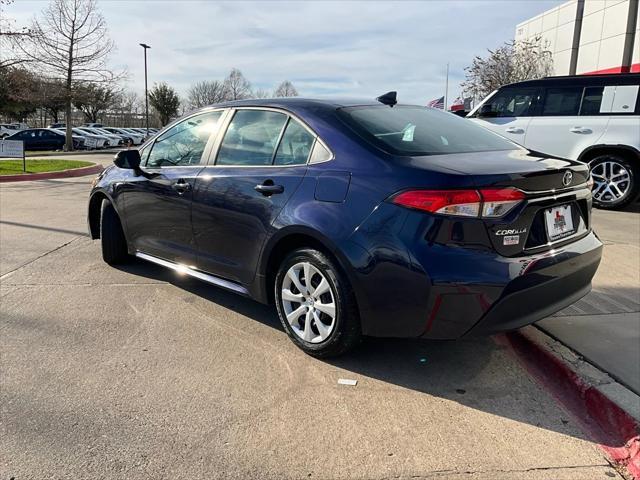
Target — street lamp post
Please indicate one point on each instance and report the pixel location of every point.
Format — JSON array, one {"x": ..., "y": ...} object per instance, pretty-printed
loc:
[{"x": 146, "y": 95}]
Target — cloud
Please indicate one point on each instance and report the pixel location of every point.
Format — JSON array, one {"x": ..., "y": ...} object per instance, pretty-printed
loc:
[{"x": 336, "y": 48}]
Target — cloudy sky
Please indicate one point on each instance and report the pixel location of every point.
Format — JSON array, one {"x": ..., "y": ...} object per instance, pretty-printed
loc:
[{"x": 327, "y": 48}]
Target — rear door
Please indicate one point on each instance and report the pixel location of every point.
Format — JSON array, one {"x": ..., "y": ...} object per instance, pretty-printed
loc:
[
  {"x": 259, "y": 164},
  {"x": 569, "y": 121},
  {"x": 158, "y": 202},
  {"x": 508, "y": 112}
]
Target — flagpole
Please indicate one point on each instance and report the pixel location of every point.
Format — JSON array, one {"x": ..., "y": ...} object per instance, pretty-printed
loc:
[{"x": 446, "y": 89}]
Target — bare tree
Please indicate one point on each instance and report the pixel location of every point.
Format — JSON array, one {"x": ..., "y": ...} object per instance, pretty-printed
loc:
[
  {"x": 285, "y": 89},
  {"x": 236, "y": 86},
  {"x": 512, "y": 62},
  {"x": 165, "y": 101},
  {"x": 261, "y": 93},
  {"x": 206, "y": 93},
  {"x": 126, "y": 110},
  {"x": 93, "y": 99},
  {"x": 70, "y": 41},
  {"x": 8, "y": 34}
]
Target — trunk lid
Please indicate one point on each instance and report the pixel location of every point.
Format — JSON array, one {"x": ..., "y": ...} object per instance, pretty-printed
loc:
[
  {"x": 519, "y": 168},
  {"x": 557, "y": 206}
]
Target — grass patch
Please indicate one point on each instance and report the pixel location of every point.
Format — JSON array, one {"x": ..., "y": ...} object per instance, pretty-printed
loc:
[{"x": 14, "y": 167}]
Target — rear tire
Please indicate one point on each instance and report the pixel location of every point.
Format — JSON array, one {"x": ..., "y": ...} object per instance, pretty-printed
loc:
[
  {"x": 615, "y": 180},
  {"x": 325, "y": 297},
  {"x": 114, "y": 244}
]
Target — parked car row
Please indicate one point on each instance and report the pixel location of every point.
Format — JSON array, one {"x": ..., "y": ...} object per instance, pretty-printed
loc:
[
  {"x": 45, "y": 139},
  {"x": 85, "y": 137},
  {"x": 7, "y": 129}
]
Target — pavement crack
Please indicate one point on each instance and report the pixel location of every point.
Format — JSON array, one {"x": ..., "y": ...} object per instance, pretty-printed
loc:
[
  {"x": 10, "y": 272},
  {"x": 449, "y": 472}
]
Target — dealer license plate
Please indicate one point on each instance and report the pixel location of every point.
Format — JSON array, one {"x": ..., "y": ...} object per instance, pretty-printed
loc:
[{"x": 559, "y": 222}]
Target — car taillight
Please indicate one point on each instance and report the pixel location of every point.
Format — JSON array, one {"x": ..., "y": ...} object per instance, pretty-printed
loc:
[
  {"x": 487, "y": 203},
  {"x": 497, "y": 202}
]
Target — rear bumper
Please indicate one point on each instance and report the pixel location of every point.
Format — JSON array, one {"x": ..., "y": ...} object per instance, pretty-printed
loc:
[
  {"x": 516, "y": 291},
  {"x": 551, "y": 284},
  {"x": 408, "y": 287}
]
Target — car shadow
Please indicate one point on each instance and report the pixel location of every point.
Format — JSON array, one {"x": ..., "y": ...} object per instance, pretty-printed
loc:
[{"x": 480, "y": 373}]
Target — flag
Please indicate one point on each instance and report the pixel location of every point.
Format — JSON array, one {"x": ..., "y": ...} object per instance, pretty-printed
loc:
[{"x": 436, "y": 103}]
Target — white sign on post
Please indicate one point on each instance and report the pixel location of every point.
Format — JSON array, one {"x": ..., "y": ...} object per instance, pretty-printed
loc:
[
  {"x": 90, "y": 142},
  {"x": 11, "y": 149}
]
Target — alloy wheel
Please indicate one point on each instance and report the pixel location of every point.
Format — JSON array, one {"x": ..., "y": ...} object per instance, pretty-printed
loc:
[
  {"x": 611, "y": 181},
  {"x": 308, "y": 302}
]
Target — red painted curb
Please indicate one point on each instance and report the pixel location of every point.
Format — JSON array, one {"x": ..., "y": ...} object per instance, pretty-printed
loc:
[
  {"x": 74, "y": 172},
  {"x": 615, "y": 430}
]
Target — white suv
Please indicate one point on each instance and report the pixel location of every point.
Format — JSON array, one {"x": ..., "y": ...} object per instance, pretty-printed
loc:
[{"x": 591, "y": 118}]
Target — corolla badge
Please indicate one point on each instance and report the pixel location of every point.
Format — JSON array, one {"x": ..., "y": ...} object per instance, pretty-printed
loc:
[
  {"x": 511, "y": 231},
  {"x": 567, "y": 178}
]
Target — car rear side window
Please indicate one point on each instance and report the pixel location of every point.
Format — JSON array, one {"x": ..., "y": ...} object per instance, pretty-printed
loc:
[
  {"x": 562, "y": 101},
  {"x": 295, "y": 145},
  {"x": 251, "y": 138},
  {"x": 413, "y": 130},
  {"x": 184, "y": 143}
]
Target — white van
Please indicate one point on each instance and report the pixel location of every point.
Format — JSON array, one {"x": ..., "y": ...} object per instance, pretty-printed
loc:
[{"x": 591, "y": 118}]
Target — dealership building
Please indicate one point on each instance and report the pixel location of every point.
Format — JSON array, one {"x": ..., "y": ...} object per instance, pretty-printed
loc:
[{"x": 589, "y": 36}]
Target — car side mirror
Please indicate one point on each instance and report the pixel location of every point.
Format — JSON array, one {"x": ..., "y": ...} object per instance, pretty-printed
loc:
[
  {"x": 487, "y": 111},
  {"x": 129, "y": 159}
]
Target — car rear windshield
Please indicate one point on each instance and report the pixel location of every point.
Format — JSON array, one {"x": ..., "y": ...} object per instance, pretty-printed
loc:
[{"x": 413, "y": 130}]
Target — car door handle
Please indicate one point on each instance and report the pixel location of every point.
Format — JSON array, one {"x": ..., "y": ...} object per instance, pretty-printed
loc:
[
  {"x": 181, "y": 186},
  {"x": 268, "y": 189},
  {"x": 580, "y": 130},
  {"x": 514, "y": 130}
]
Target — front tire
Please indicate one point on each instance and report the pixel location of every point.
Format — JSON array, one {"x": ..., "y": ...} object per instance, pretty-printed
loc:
[
  {"x": 615, "y": 181},
  {"x": 316, "y": 305},
  {"x": 113, "y": 241}
]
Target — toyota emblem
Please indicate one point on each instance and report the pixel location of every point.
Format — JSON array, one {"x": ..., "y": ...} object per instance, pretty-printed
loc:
[{"x": 567, "y": 178}]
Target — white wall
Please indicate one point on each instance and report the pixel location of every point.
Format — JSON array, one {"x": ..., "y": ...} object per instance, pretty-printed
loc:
[
  {"x": 555, "y": 26},
  {"x": 602, "y": 39}
]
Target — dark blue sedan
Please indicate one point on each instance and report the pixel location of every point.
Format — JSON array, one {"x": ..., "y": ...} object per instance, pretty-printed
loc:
[{"x": 355, "y": 218}]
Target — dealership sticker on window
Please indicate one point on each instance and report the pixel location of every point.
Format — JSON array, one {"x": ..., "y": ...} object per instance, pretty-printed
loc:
[{"x": 511, "y": 240}]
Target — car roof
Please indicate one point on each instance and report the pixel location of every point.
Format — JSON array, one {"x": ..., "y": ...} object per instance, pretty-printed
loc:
[
  {"x": 300, "y": 102},
  {"x": 581, "y": 80}
]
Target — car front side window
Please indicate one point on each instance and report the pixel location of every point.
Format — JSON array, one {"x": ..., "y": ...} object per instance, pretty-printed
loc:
[
  {"x": 510, "y": 102},
  {"x": 184, "y": 143}
]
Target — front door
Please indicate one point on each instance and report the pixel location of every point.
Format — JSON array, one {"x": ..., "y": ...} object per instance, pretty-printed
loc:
[
  {"x": 508, "y": 112},
  {"x": 158, "y": 202},
  {"x": 260, "y": 164}
]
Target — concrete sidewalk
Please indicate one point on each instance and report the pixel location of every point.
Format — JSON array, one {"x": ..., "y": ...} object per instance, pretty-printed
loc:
[{"x": 604, "y": 327}]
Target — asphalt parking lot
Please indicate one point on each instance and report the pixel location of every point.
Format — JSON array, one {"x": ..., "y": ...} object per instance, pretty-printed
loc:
[{"x": 137, "y": 372}]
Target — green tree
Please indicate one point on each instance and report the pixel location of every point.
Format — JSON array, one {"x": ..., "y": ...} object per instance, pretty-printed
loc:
[
  {"x": 52, "y": 98},
  {"x": 18, "y": 92},
  {"x": 93, "y": 99},
  {"x": 165, "y": 100}
]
